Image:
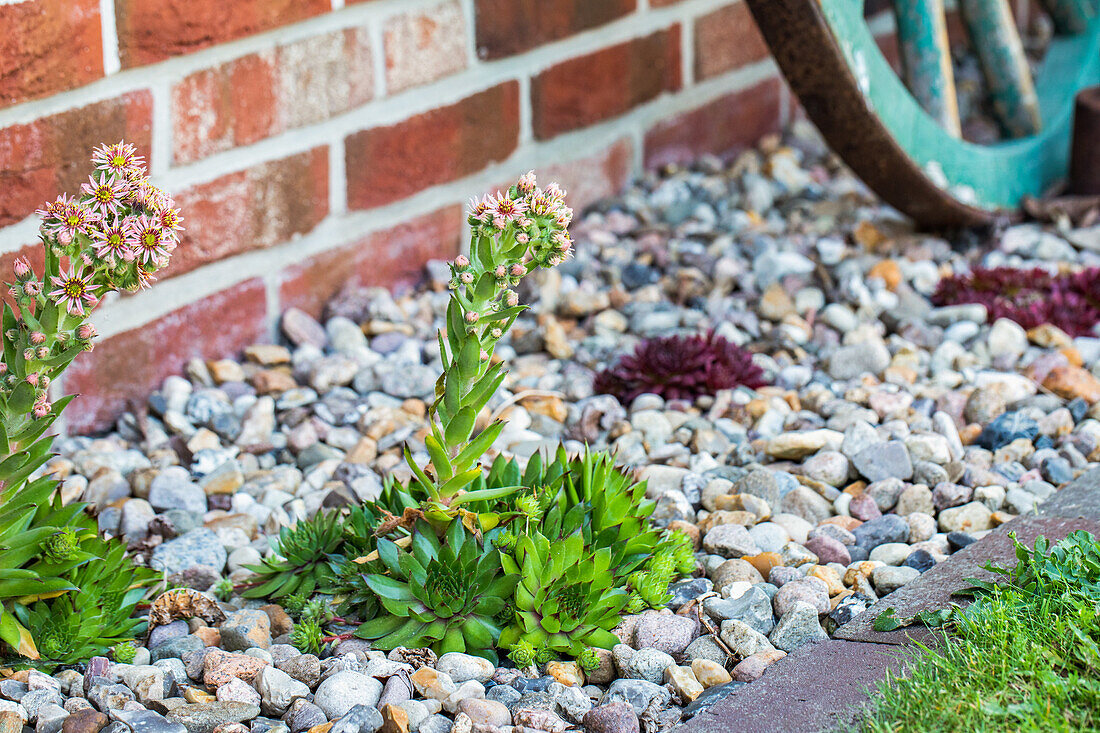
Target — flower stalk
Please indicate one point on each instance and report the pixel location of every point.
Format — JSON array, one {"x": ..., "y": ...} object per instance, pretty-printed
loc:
[
  {"x": 513, "y": 234},
  {"x": 66, "y": 592}
]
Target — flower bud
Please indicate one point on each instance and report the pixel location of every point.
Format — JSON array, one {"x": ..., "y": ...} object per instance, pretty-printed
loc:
[
  {"x": 527, "y": 183},
  {"x": 64, "y": 239},
  {"x": 511, "y": 299},
  {"x": 42, "y": 352},
  {"x": 500, "y": 222},
  {"x": 32, "y": 379},
  {"x": 462, "y": 262},
  {"x": 37, "y": 337},
  {"x": 22, "y": 268},
  {"x": 484, "y": 355},
  {"x": 32, "y": 288},
  {"x": 518, "y": 270},
  {"x": 3, "y": 368},
  {"x": 466, "y": 277},
  {"x": 41, "y": 409},
  {"x": 500, "y": 272},
  {"x": 472, "y": 316},
  {"x": 496, "y": 333},
  {"x": 522, "y": 238},
  {"x": 28, "y": 354},
  {"x": 86, "y": 331}
]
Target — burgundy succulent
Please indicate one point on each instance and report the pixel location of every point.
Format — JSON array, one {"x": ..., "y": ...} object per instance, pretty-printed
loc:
[
  {"x": 680, "y": 367},
  {"x": 1070, "y": 301}
]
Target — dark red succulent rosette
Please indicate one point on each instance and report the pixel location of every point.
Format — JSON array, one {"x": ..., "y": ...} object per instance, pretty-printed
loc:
[
  {"x": 1070, "y": 301},
  {"x": 680, "y": 367}
]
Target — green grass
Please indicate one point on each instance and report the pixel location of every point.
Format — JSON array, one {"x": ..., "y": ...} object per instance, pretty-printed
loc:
[{"x": 1025, "y": 656}]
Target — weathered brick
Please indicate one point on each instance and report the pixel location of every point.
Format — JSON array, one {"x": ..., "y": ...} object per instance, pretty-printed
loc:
[
  {"x": 423, "y": 46},
  {"x": 386, "y": 164},
  {"x": 48, "y": 46},
  {"x": 723, "y": 126},
  {"x": 263, "y": 94},
  {"x": 252, "y": 209},
  {"x": 323, "y": 76},
  {"x": 153, "y": 30},
  {"x": 507, "y": 27},
  {"x": 588, "y": 89},
  {"x": 388, "y": 258},
  {"x": 49, "y": 156},
  {"x": 121, "y": 371},
  {"x": 727, "y": 39},
  {"x": 217, "y": 109},
  {"x": 592, "y": 178}
]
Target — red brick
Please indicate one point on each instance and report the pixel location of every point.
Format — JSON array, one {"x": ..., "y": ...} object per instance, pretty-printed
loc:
[
  {"x": 217, "y": 109},
  {"x": 424, "y": 46},
  {"x": 252, "y": 209},
  {"x": 48, "y": 46},
  {"x": 724, "y": 126},
  {"x": 601, "y": 85},
  {"x": 50, "y": 155},
  {"x": 324, "y": 76},
  {"x": 389, "y": 258},
  {"x": 725, "y": 40},
  {"x": 263, "y": 94},
  {"x": 121, "y": 371},
  {"x": 590, "y": 179},
  {"x": 507, "y": 27},
  {"x": 386, "y": 164},
  {"x": 154, "y": 30}
]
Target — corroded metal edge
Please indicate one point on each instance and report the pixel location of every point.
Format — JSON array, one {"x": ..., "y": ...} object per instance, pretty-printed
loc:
[{"x": 814, "y": 65}]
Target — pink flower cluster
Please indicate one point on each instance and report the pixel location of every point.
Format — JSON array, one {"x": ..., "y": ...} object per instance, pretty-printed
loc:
[
  {"x": 120, "y": 231},
  {"x": 526, "y": 214},
  {"x": 113, "y": 236},
  {"x": 512, "y": 233}
]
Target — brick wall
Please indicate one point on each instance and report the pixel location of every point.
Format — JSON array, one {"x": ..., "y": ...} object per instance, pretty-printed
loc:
[{"x": 314, "y": 141}]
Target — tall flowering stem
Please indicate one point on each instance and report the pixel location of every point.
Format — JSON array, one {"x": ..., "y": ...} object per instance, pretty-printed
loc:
[
  {"x": 114, "y": 236},
  {"x": 513, "y": 234},
  {"x": 119, "y": 232}
]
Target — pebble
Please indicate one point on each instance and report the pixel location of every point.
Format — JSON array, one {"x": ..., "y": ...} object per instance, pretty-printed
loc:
[
  {"x": 797, "y": 627},
  {"x": 668, "y": 634},
  {"x": 197, "y": 547},
  {"x": 887, "y": 578},
  {"x": 614, "y": 717},
  {"x": 338, "y": 694}
]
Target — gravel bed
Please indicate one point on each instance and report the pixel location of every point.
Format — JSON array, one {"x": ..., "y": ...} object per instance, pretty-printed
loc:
[{"x": 895, "y": 434}]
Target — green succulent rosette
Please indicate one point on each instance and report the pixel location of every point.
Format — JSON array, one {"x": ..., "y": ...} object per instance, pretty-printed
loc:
[{"x": 439, "y": 593}]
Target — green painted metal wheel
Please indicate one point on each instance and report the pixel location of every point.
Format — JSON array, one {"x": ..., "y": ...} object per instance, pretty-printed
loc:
[{"x": 905, "y": 144}]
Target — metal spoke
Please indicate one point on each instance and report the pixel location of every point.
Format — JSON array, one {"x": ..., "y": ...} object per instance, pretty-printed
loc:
[
  {"x": 995, "y": 40},
  {"x": 926, "y": 59}
]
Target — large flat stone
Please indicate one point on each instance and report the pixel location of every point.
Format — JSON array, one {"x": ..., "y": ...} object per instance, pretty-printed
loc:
[
  {"x": 821, "y": 686},
  {"x": 936, "y": 588},
  {"x": 1079, "y": 499}
]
